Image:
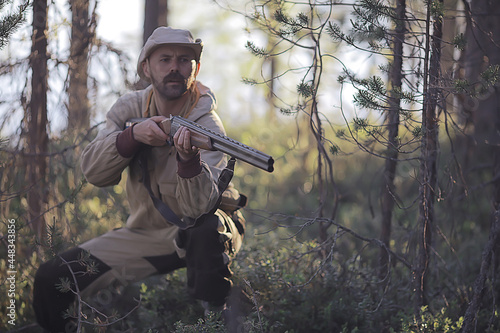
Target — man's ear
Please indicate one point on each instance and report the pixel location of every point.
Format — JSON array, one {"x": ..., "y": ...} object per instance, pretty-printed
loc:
[{"x": 145, "y": 68}]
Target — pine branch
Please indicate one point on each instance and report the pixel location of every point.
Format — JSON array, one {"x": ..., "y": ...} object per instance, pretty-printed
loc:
[{"x": 10, "y": 22}]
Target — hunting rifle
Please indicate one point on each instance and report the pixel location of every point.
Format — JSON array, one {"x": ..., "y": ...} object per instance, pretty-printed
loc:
[{"x": 205, "y": 138}]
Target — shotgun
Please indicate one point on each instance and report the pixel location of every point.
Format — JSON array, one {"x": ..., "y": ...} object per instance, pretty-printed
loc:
[{"x": 205, "y": 138}]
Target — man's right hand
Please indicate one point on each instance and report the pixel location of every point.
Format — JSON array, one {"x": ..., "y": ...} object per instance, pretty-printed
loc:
[{"x": 150, "y": 133}]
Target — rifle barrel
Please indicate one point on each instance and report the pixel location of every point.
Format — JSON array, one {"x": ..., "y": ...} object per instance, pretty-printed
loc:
[{"x": 229, "y": 146}]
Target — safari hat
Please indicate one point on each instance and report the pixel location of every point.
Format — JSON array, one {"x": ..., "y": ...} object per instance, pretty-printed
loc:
[{"x": 167, "y": 35}]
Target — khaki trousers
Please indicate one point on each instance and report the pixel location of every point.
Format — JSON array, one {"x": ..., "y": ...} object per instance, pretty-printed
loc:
[{"x": 124, "y": 256}]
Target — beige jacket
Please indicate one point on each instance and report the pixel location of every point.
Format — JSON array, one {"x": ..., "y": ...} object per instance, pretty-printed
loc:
[{"x": 102, "y": 165}]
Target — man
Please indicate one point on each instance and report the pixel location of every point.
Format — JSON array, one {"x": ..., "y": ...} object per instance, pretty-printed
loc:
[{"x": 179, "y": 174}]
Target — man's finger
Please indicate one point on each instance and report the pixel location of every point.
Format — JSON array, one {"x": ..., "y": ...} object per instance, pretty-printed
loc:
[
  {"x": 150, "y": 133},
  {"x": 158, "y": 119}
]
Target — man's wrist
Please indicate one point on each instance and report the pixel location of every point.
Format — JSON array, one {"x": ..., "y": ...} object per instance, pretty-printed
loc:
[
  {"x": 189, "y": 168},
  {"x": 126, "y": 144}
]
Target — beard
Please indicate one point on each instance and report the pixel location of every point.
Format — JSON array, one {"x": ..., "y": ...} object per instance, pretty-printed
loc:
[{"x": 173, "y": 86}]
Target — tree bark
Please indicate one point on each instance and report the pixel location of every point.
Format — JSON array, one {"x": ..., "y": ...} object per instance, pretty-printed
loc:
[
  {"x": 392, "y": 122},
  {"x": 428, "y": 162},
  {"x": 489, "y": 250},
  {"x": 37, "y": 139},
  {"x": 78, "y": 102},
  {"x": 483, "y": 38},
  {"x": 155, "y": 15}
]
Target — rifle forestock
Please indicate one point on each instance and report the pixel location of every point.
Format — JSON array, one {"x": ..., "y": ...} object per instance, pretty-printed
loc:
[{"x": 205, "y": 138}]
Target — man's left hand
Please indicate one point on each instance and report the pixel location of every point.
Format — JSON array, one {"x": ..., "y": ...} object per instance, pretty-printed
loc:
[{"x": 182, "y": 141}]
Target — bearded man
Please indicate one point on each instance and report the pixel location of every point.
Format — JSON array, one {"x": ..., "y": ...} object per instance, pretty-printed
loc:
[{"x": 172, "y": 172}]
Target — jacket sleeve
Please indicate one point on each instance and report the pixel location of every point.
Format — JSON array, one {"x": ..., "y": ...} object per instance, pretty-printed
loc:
[
  {"x": 199, "y": 194},
  {"x": 101, "y": 163}
]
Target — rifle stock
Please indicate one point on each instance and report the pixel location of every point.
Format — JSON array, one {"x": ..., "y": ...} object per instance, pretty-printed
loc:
[{"x": 205, "y": 138}]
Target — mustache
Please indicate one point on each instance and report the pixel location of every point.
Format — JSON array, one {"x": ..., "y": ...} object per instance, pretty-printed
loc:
[{"x": 174, "y": 76}]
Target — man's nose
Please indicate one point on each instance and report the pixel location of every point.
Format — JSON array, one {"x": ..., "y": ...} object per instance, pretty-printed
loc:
[{"x": 175, "y": 66}]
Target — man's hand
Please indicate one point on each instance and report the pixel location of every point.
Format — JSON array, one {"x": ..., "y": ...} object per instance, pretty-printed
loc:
[
  {"x": 182, "y": 141},
  {"x": 150, "y": 133}
]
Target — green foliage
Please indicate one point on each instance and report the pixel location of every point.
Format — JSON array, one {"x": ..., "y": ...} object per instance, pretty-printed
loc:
[
  {"x": 431, "y": 323},
  {"x": 165, "y": 302},
  {"x": 305, "y": 89},
  {"x": 281, "y": 17},
  {"x": 370, "y": 23},
  {"x": 367, "y": 99},
  {"x": 417, "y": 132},
  {"x": 249, "y": 81},
  {"x": 461, "y": 86},
  {"x": 406, "y": 96},
  {"x": 459, "y": 41},
  {"x": 490, "y": 75},
  {"x": 437, "y": 9},
  {"x": 210, "y": 324},
  {"x": 257, "y": 51},
  {"x": 489, "y": 78},
  {"x": 336, "y": 33},
  {"x": 334, "y": 149},
  {"x": 10, "y": 22},
  {"x": 360, "y": 124},
  {"x": 290, "y": 27},
  {"x": 286, "y": 111},
  {"x": 291, "y": 287}
]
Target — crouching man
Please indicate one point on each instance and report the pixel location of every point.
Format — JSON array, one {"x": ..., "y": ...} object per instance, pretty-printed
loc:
[{"x": 175, "y": 174}]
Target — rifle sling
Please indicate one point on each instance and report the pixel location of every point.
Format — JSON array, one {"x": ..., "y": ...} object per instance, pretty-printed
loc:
[{"x": 222, "y": 183}]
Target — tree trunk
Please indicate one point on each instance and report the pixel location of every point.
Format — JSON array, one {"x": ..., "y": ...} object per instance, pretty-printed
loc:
[
  {"x": 491, "y": 248},
  {"x": 37, "y": 139},
  {"x": 155, "y": 15},
  {"x": 78, "y": 105},
  {"x": 429, "y": 152},
  {"x": 483, "y": 38},
  {"x": 392, "y": 122}
]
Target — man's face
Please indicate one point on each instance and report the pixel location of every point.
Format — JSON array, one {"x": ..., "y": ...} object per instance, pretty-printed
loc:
[{"x": 172, "y": 70}]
